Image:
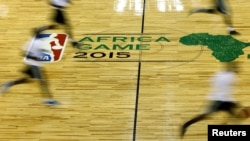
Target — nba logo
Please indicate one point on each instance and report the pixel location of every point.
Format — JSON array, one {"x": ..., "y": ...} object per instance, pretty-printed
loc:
[{"x": 52, "y": 46}]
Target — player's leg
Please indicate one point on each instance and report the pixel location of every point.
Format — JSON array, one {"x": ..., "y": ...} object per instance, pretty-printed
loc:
[
  {"x": 60, "y": 18},
  {"x": 9, "y": 84},
  {"x": 211, "y": 10},
  {"x": 56, "y": 19},
  {"x": 232, "y": 108},
  {"x": 22, "y": 80},
  {"x": 228, "y": 22},
  {"x": 203, "y": 10},
  {"x": 68, "y": 29},
  {"x": 192, "y": 121},
  {"x": 37, "y": 73},
  {"x": 223, "y": 8},
  {"x": 63, "y": 20},
  {"x": 211, "y": 108}
]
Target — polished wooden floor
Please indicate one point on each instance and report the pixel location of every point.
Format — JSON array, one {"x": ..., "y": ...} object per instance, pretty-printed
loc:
[{"x": 131, "y": 94}]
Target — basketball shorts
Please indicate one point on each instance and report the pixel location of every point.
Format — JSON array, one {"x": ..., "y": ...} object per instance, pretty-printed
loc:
[
  {"x": 34, "y": 72},
  {"x": 59, "y": 17},
  {"x": 227, "y": 106}
]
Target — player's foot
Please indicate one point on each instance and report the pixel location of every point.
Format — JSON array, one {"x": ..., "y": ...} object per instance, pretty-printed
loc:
[
  {"x": 4, "y": 88},
  {"x": 51, "y": 102},
  {"x": 233, "y": 32},
  {"x": 191, "y": 12},
  {"x": 182, "y": 131},
  {"x": 76, "y": 44}
]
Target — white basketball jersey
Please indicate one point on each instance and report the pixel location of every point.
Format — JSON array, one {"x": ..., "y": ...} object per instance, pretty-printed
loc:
[{"x": 222, "y": 86}]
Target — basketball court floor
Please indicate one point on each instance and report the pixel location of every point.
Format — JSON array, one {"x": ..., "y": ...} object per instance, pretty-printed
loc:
[{"x": 137, "y": 78}]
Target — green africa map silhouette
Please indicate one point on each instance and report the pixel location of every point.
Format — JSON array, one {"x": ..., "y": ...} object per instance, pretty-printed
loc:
[{"x": 225, "y": 48}]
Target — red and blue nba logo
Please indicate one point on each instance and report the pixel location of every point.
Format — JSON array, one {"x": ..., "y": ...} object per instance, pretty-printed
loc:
[{"x": 54, "y": 44}]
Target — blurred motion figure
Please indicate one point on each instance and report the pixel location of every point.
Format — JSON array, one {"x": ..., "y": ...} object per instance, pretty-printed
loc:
[
  {"x": 221, "y": 96},
  {"x": 219, "y": 7},
  {"x": 33, "y": 69},
  {"x": 59, "y": 18}
]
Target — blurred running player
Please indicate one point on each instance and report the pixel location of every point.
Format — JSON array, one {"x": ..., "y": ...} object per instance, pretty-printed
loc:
[
  {"x": 59, "y": 18},
  {"x": 219, "y": 6},
  {"x": 221, "y": 97},
  {"x": 33, "y": 69}
]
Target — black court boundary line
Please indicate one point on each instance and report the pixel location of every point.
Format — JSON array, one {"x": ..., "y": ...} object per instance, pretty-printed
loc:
[
  {"x": 138, "y": 78},
  {"x": 139, "y": 61}
]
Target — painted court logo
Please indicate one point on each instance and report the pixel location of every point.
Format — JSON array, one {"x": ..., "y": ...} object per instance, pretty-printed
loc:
[
  {"x": 52, "y": 46},
  {"x": 224, "y": 48}
]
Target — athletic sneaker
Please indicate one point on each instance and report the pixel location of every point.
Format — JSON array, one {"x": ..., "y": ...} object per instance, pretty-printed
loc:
[
  {"x": 51, "y": 102},
  {"x": 4, "y": 88},
  {"x": 76, "y": 44},
  {"x": 233, "y": 32}
]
